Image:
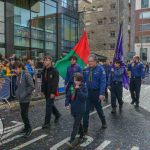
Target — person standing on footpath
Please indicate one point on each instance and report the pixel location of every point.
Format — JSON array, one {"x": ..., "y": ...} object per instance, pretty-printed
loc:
[
  {"x": 73, "y": 68},
  {"x": 115, "y": 84},
  {"x": 95, "y": 79},
  {"x": 50, "y": 80},
  {"x": 137, "y": 75},
  {"x": 25, "y": 87}
]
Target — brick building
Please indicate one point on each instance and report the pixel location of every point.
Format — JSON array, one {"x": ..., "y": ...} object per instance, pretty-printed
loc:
[
  {"x": 142, "y": 29},
  {"x": 101, "y": 18}
]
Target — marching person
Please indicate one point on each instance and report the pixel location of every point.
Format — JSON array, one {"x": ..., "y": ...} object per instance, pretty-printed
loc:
[
  {"x": 95, "y": 79},
  {"x": 25, "y": 86},
  {"x": 115, "y": 84},
  {"x": 73, "y": 68},
  {"x": 76, "y": 100},
  {"x": 137, "y": 75},
  {"x": 107, "y": 68},
  {"x": 50, "y": 79}
]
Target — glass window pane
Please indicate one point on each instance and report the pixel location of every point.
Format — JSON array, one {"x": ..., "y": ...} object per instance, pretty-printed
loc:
[
  {"x": 37, "y": 15},
  {"x": 2, "y": 38},
  {"x": 144, "y": 3},
  {"x": 145, "y": 15},
  {"x": 37, "y": 44},
  {"x": 50, "y": 2},
  {"x": 145, "y": 27},
  {"x": 1, "y": 11},
  {"x": 2, "y": 27},
  {"x": 20, "y": 41}
]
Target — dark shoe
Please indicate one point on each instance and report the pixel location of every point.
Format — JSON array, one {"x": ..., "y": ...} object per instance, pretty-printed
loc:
[
  {"x": 132, "y": 103},
  {"x": 72, "y": 143},
  {"x": 23, "y": 131},
  {"x": 113, "y": 110},
  {"x": 57, "y": 118},
  {"x": 120, "y": 108},
  {"x": 137, "y": 106},
  {"x": 28, "y": 133},
  {"x": 46, "y": 126},
  {"x": 104, "y": 126},
  {"x": 85, "y": 131}
]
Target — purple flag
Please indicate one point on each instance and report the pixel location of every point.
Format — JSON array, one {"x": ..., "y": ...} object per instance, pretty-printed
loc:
[{"x": 119, "y": 56}]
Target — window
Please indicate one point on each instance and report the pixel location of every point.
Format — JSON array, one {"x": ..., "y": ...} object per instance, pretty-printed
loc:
[
  {"x": 145, "y": 39},
  {"x": 145, "y": 15},
  {"x": 112, "y": 46},
  {"x": 112, "y": 20},
  {"x": 145, "y": 27},
  {"x": 143, "y": 54},
  {"x": 100, "y": 21},
  {"x": 112, "y": 34},
  {"x": 2, "y": 24},
  {"x": 144, "y": 3},
  {"x": 113, "y": 6}
]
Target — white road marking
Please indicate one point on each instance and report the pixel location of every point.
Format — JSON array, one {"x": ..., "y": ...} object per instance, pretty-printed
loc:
[
  {"x": 18, "y": 136},
  {"x": 94, "y": 112},
  {"x": 87, "y": 142},
  {"x": 55, "y": 147},
  {"x": 135, "y": 148},
  {"x": 11, "y": 132},
  {"x": 84, "y": 144},
  {"x": 103, "y": 145},
  {"x": 29, "y": 142},
  {"x": 16, "y": 125}
]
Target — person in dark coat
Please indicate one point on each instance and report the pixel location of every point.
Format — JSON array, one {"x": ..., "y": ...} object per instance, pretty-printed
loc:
[
  {"x": 76, "y": 99},
  {"x": 50, "y": 80}
]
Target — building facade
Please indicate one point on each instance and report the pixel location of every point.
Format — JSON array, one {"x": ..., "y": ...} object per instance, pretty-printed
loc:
[
  {"x": 36, "y": 27},
  {"x": 102, "y": 18},
  {"x": 142, "y": 29}
]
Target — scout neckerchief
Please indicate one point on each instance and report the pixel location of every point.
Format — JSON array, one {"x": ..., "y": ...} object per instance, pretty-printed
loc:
[
  {"x": 73, "y": 92},
  {"x": 91, "y": 74}
]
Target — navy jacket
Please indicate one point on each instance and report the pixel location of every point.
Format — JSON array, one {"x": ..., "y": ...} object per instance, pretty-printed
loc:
[
  {"x": 116, "y": 75},
  {"x": 98, "y": 79},
  {"x": 70, "y": 72},
  {"x": 78, "y": 105},
  {"x": 137, "y": 70}
]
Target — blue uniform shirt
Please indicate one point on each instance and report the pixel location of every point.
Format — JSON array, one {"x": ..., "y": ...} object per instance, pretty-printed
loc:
[
  {"x": 70, "y": 72},
  {"x": 116, "y": 75},
  {"x": 137, "y": 70},
  {"x": 97, "y": 80}
]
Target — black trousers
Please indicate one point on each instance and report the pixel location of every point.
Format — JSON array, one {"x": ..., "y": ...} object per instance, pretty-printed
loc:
[
  {"x": 93, "y": 100},
  {"x": 135, "y": 87},
  {"x": 50, "y": 108},
  {"x": 116, "y": 94},
  {"x": 77, "y": 126},
  {"x": 24, "y": 114}
]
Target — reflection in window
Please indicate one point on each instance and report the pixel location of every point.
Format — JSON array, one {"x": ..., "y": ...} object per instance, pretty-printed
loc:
[
  {"x": 145, "y": 15},
  {"x": 144, "y": 3},
  {"x": 2, "y": 25}
]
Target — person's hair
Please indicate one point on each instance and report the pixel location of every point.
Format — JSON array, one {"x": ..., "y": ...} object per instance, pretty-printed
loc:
[
  {"x": 73, "y": 57},
  {"x": 93, "y": 56},
  {"x": 19, "y": 65},
  {"x": 118, "y": 62},
  {"x": 47, "y": 57},
  {"x": 137, "y": 57},
  {"x": 78, "y": 77}
]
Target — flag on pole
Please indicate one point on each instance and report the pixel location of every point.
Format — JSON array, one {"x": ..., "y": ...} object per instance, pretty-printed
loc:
[
  {"x": 119, "y": 56},
  {"x": 81, "y": 51}
]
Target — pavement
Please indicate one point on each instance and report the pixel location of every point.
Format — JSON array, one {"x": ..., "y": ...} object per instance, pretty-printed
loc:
[{"x": 129, "y": 130}]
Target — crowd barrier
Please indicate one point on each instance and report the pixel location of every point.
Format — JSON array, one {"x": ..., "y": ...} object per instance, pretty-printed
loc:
[{"x": 5, "y": 90}]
